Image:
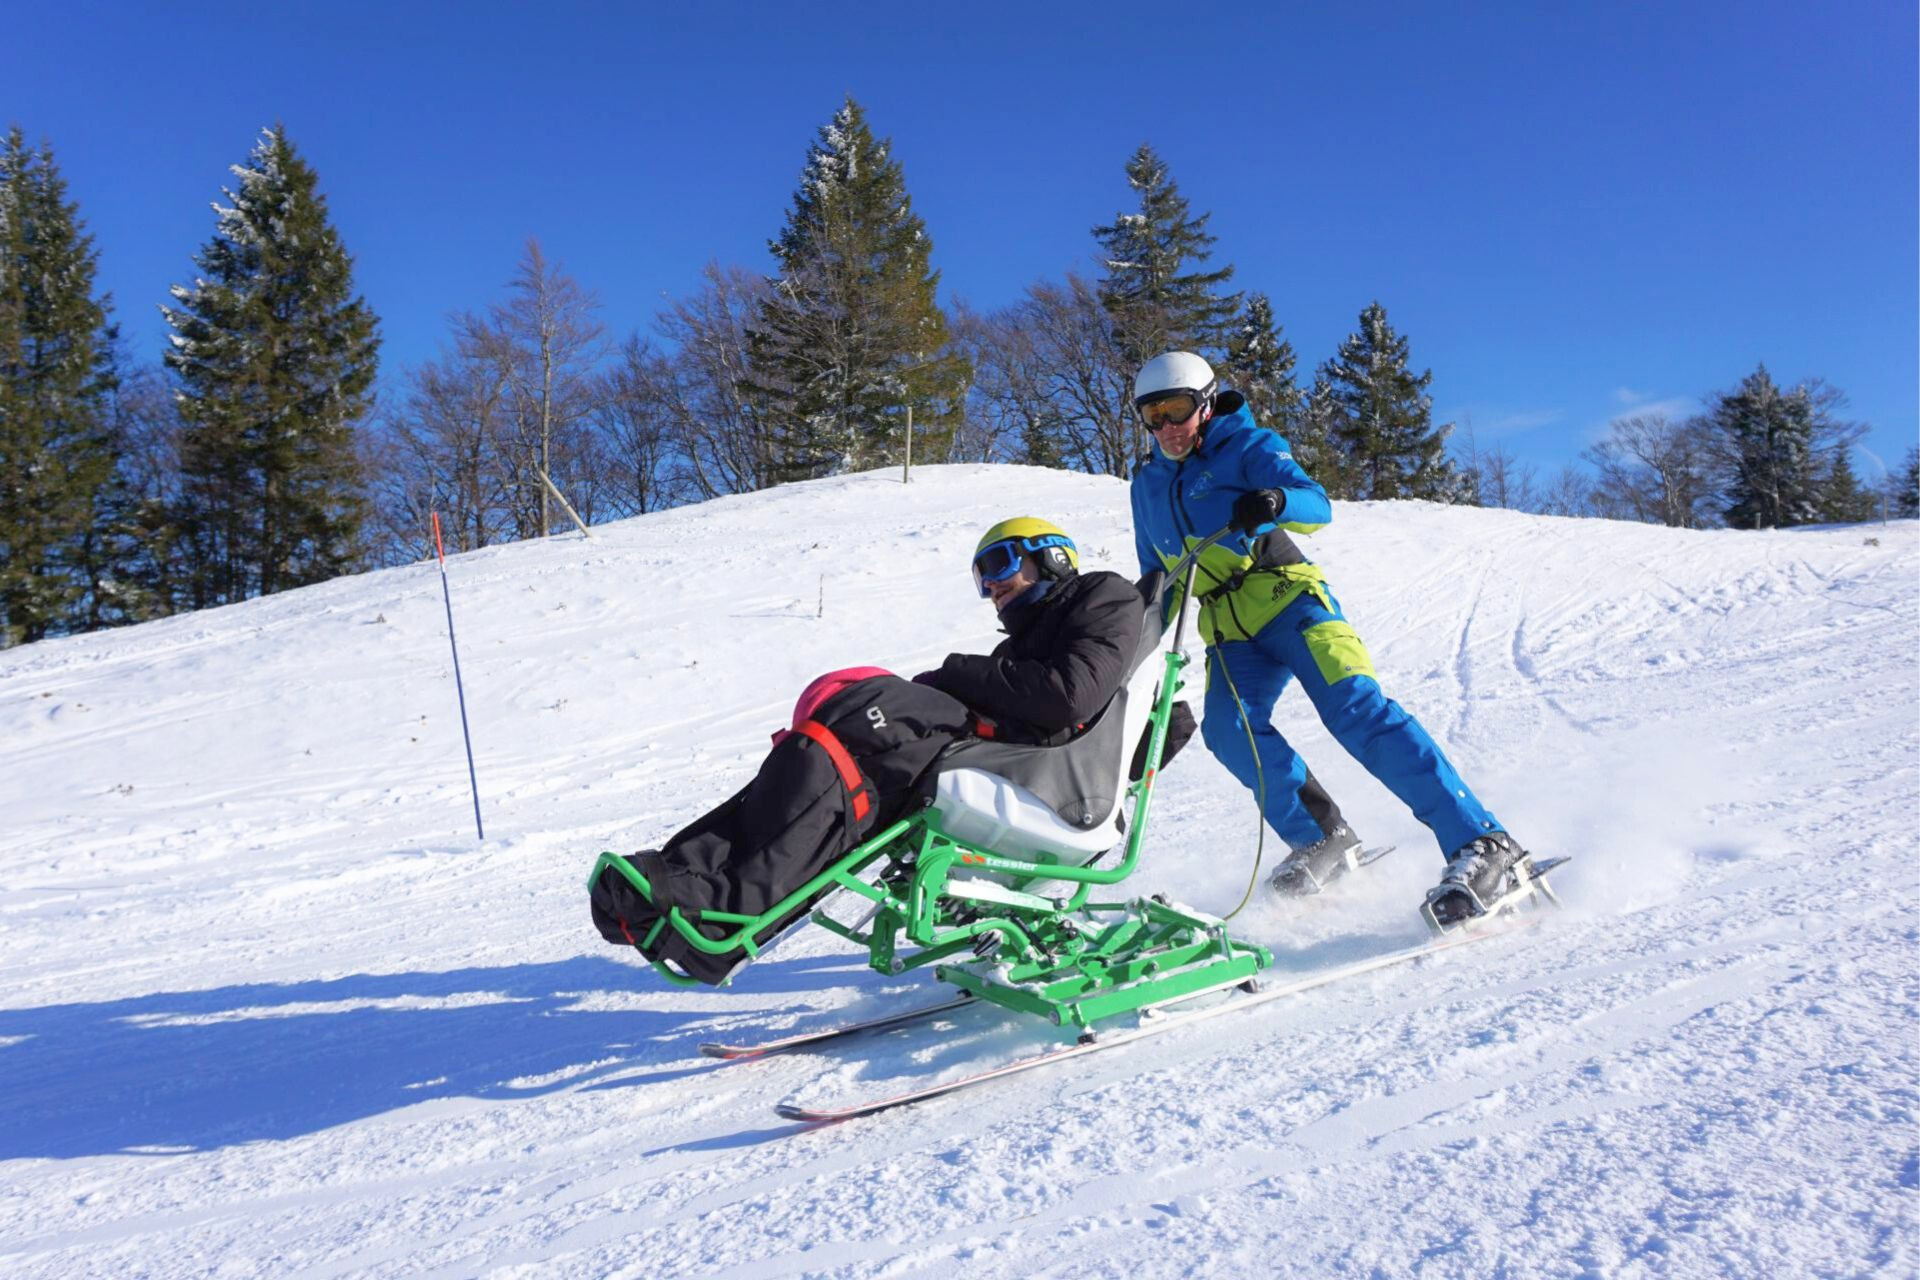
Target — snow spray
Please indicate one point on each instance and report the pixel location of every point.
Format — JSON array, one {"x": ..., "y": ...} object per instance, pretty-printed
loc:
[{"x": 447, "y": 593}]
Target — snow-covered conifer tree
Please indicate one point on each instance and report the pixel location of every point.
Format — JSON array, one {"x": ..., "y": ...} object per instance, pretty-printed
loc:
[
  {"x": 1381, "y": 419},
  {"x": 56, "y": 382},
  {"x": 1259, "y": 366},
  {"x": 275, "y": 358},
  {"x": 1906, "y": 485},
  {"x": 1842, "y": 498},
  {"x": 1313, "y": 444},
  {"x": 1158, "y": 298},
  {"x": 1775, "y": 447},
  {"x": 851, "y": 334}
]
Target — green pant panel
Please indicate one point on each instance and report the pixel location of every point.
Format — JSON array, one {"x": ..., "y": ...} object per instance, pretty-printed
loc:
[
  {"x": 1262, "y": 597},
  {"x": 1337, "y": 651}
]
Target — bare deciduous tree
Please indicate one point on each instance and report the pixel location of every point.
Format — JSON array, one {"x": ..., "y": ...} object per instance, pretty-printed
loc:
[
  {"x": 446, "y": 447},
  {"x": 1570, "y": 494},
  {"x": 1653, "y": 469},
  {"x": 641, "y": 431},
  {"x": 141, "y": 572},
  {"x": 1009, "y": 418},
  {"x": 1500, "y": 478},
  {"x": 1082, "y": 376},
  {"x": 546, "y": 342},
  {"x": 725, "y": 430},
  {"x": 1505, "y": 481}
]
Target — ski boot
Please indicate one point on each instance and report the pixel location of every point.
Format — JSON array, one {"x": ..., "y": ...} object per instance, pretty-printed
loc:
[
  {"x": 1311, "y": 868},
  {"x": 1487, "y": 876}
]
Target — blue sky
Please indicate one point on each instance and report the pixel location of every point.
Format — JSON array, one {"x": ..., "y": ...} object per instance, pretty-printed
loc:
[{"x": 1572, "y": 211}]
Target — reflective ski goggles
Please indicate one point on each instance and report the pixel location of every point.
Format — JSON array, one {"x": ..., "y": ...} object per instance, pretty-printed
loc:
[
  {"x": 997, "y": 563},
  {"x": 1169, "y": 409}
]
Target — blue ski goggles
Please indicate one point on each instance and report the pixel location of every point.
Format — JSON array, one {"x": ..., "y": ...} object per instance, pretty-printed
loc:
[{"x": 999, "y": 561}]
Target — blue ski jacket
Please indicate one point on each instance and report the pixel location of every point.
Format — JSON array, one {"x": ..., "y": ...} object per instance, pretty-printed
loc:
[{"x": 1243, "y": 583}]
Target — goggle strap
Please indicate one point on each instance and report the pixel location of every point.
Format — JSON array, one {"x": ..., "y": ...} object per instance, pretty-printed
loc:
[{"x": 1202, "y": 396}]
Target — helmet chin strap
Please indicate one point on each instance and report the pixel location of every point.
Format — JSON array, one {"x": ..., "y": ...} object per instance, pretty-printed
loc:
[{"x": 1032, "y": 595}]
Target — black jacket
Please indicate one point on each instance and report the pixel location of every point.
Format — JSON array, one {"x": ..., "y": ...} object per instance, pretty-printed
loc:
[{"x": 1064, "y": 656}]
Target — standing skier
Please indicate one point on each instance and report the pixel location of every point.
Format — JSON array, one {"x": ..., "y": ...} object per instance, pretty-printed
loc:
[{"x": 1268, "y": 617}]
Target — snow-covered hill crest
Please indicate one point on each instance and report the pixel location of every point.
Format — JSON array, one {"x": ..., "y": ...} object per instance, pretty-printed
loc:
[{"x": 270, "y": 1009}]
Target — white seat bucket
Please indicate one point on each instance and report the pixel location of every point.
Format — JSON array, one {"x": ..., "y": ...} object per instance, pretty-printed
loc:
[
  {"x": 994, "y": 812},
  {"x": 988, "y": 810}
]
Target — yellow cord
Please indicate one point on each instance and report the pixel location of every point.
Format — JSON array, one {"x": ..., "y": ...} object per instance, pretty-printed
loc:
[{"x": 1260, "y": 776}]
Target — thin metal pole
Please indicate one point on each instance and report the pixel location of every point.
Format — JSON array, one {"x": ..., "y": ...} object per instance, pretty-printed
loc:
[
  {"x": 459, "y": 687},
  {"x": 906, "y": 471}
]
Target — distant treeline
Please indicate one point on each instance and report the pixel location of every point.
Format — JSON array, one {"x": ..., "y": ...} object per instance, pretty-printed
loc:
[{"x": 263, "y": 451}]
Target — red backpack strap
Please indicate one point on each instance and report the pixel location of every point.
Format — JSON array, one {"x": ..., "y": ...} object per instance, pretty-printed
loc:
[{"x": 850, "y": 776}]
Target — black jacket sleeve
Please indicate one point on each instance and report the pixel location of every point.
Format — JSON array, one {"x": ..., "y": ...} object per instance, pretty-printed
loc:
[{"x": 1091, "y": 647}]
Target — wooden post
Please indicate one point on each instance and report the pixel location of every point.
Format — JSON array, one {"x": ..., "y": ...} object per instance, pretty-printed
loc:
[{"x": 565, "y": 505}]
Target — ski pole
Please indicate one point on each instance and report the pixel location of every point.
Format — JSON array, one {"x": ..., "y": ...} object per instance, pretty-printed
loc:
[{"x": 447, "y": 593}]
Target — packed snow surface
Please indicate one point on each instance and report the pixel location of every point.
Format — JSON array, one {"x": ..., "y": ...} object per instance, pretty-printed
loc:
[{"x": 270, "y": 1009}]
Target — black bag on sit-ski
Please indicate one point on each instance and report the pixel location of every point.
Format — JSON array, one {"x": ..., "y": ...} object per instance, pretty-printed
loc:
[{"x": 828, "y": 784}]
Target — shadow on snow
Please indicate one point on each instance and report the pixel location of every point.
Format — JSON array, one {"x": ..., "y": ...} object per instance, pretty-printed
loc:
[{"x": 186, "y": 1071}]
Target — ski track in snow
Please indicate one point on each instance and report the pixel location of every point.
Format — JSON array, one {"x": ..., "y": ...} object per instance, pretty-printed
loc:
[{"x": 270, "y": 1008}]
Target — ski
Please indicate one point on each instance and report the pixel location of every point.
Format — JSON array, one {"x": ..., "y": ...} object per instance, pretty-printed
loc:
[
  {"x": 1156, "y": 1025},
  {"x": 807, "y": 1039}
]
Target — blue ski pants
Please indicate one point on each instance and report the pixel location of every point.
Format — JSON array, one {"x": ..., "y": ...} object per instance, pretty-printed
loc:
[{"x": 1310, "y": 641}]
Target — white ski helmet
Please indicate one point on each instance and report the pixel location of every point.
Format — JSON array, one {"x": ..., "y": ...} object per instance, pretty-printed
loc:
[{"x": 1172, "y": 373}]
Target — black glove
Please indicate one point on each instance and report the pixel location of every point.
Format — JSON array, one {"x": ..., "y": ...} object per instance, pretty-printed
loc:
[{"x": 1261, "y": 506}]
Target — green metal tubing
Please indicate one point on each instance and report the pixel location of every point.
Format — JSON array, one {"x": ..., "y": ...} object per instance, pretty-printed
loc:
[
  {"x": 743, "y": 939},
  {"x": 1105, "y": 1003},
  {"x": 673, "y": 976}
]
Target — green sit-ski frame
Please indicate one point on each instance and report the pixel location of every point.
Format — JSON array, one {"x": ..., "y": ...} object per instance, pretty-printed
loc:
[{"x": 1057, "y": 954}]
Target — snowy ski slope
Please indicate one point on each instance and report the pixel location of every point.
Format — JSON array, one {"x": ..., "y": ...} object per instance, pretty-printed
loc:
[{"x": 269, "y": 1009}]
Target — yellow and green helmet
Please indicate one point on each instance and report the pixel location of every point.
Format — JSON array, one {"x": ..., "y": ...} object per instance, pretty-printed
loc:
[{"x": 1001, "y": 549}]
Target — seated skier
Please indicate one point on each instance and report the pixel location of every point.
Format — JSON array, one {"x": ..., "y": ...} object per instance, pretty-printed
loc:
[
  {"x": 862, "y": 739},
  {"x": 1070, "y": 640}
]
